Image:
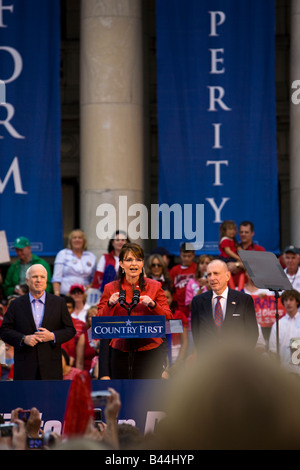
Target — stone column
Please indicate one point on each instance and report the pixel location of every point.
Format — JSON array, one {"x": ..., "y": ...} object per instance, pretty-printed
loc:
[
  {"x": 295, "y": 125},
  {"x": 111, "y": 110}
]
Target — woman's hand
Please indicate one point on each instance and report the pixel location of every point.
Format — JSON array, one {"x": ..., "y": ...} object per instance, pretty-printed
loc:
[
  {"x": 146, "y": 300},
  {"x": 113, "y": 300}
]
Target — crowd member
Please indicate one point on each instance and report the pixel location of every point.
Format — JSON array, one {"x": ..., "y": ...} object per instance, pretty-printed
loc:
[
  {"x": 129, "y": 437},
  {"x": 1, "y": 287},
  {"x": 178, "y": 348},
  {"x": 24, "y": 432},
  {"x": 79, "y": 325},
  {"x": 68, "y": 370},
  {"x": 2, "y": 312},
  {"x": 77, "y": 292},
  {"x": 198, "y": 284},
  {"x": 156, "y": 269},
  {"x": 15, "y": 276},
  {"x": 18, "y": 439},
  {"x": 108, "y": 264},
  {"x": 231, "y": 398},
  {"x": 86, "y": 350},
  {"x": 7, "y": 366},
  {"x": 36, "y": 324},
  {"x": 289, "y": 326},
  {"x": 246, "y": 234},
  {"x": 265, "y": 308},
  {"x": 80, "y": 429},
  {"x": 195, "y": 286},
  {"x": 291, "y": 259},
  {"x": 251, "y": 289},
  {"x": 79, "y": 417},
  {"x": 229, "y": 246},
  {"x": 180, "y": 275},
  {"x": 222, "y": 312},
  {"x": 73, "y": 265},
  {"x": 165, "y": 254},
  {"x": 146, "y": 352}
]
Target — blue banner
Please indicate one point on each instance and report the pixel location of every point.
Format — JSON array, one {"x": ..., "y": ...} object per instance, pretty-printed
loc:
[
  {"x": 217, "y": 118},
  {"x": 142, "y": 403},
  {"x": 30, "y": 181},
  {"x": 135, "y": 326}
]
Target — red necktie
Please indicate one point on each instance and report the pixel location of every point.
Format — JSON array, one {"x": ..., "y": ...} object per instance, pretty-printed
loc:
[{"x": 218, "y": 312}]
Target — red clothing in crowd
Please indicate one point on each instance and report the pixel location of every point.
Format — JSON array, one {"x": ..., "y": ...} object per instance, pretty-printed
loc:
[
  {"x": 180, "y": 276},
  {"x": 70, "y": 346}
]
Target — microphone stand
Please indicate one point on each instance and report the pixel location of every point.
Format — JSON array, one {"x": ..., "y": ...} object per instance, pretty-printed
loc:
[{"x": 129, "y": 307}]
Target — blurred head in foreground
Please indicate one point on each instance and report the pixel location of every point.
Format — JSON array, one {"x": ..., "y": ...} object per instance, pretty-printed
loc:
[{"x": 231, "y": 398}]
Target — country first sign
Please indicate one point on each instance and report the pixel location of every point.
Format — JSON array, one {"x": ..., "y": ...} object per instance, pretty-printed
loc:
[{"x": 150, "y": 326}]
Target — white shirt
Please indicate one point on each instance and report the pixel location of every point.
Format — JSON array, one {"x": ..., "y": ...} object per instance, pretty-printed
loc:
[
  {"x": 294, "y": 279},
  {"x": 223, "y": 301},
  {"x": 69, "y": 269},
  {"x": 288, "y": 328},
  {"x": 82, "y": 314},
  {"x": 102, "y": 264}
]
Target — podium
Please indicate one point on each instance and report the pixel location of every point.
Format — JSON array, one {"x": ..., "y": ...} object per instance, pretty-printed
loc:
[
  {"x": 134, "y": 327},
  {"x": 129, "y": 327}
]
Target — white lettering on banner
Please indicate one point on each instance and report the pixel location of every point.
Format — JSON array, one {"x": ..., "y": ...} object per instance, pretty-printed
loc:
[
  {"x": 215, "y": 60},
  {"x": 216, "y": 93},
  {"x": 217, "y": 164},
  {"x": 14, "y": 171},
  {"x": 18, "y": 63},
  {"x": 2, "y": 92},
  {"x": 216, "y": 102},
  {"x": 10, "y": 8},
  {"x": 217, "y": 141},
  {"x": 6, "y": 123},
  {"x": 217, "y": 209},
  {"x": 216, "y": 19}
]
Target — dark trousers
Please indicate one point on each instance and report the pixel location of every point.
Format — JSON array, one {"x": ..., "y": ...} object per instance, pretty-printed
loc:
[{"x": 138, "y": 364}]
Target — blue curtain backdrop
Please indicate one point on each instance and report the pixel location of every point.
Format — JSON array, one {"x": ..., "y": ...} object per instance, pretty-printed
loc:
[
  {"x": 30, "y": 183},
  {"x": 216, "y": 116}
]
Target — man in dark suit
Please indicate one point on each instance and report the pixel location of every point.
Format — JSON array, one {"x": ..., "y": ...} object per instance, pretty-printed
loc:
[
  {"x": 222, "y": 312},
  {"x": 36, "y": 324}
]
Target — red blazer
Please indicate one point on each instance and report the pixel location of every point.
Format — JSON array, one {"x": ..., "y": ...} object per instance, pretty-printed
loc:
[{"x": 154, "y": 291}]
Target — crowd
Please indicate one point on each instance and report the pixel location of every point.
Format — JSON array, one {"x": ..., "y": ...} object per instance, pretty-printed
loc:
[
  {"x": 76, "y": 271},
  {"x": 195, "y": 290},
  {"x": 232, "y": 399}
]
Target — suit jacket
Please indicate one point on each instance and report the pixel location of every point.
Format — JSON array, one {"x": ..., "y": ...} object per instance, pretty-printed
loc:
[
  {"x": 239, "y": 323},
  {"x": 18, "y": 321}
]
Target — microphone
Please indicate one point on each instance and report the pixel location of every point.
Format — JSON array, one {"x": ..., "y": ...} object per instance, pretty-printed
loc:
[
  {"x": 135, "y": 297},
  {"x": 122, "y": 297}
]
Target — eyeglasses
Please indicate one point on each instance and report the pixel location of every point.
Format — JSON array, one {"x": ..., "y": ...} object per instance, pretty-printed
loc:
[
  {"x": 131, "y": 260},
  {"x": 76, "y": 291},
  {"x": 155, "y": 265}
]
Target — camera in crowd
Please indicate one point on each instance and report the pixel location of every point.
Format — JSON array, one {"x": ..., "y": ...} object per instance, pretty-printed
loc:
[{"x": 6, "y": 429}]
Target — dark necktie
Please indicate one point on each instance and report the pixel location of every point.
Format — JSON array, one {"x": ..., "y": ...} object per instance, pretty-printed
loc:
[{"x": 218, "y": 312}]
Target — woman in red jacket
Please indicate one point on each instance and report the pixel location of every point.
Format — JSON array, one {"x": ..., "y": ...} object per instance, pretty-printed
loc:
[{"x": 143, "y": 357}]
